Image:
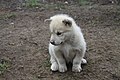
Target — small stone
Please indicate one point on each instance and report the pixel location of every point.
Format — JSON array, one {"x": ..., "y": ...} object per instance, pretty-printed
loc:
[
  {"x": 37, "y": 7},
  {"x": 11, "y": 23},
  {"x": 66, "y": 2},
  {"x": 19, "y": 8}
]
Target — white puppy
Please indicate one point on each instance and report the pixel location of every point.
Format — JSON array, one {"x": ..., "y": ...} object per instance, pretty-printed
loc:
[{"x": 67, "y": 44}]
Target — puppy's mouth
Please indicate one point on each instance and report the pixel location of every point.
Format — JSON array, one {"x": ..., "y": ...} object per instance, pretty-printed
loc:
[{"x": 57, "y": 44}]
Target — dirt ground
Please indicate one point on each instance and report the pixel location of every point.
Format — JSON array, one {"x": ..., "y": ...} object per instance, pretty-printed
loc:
[{"x": 24, "y": 39}]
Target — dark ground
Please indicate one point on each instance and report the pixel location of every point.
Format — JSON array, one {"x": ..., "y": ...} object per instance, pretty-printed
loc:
[{"x": 24, "y": 39}]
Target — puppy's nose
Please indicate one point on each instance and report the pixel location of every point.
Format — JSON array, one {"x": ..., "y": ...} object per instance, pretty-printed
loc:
[{"x": 52, "y": 42}]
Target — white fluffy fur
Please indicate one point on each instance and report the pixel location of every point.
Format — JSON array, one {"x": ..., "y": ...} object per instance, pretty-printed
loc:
[{"x": 73, "y": 45}]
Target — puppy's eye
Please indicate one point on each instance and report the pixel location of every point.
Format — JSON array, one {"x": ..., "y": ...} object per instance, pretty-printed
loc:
[{"x": 59, "y": 33}]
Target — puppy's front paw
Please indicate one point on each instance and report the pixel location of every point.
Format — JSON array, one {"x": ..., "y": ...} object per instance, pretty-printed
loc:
[
  {"x": 62, "y": 68},
  {"x": 54, "y": 67},
  {"x": 76, "y": 68}
]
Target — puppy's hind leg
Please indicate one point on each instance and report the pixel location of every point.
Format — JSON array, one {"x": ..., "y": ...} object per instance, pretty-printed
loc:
[{"x": 84, "y": 61}]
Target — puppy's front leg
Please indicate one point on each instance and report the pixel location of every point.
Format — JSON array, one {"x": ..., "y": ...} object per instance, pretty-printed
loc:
[
  {"x": 61, "y": 61},
  {"x": 77, "y": 61}
]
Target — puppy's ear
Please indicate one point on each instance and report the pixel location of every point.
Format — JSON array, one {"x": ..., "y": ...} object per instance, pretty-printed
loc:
[
  {"x": 67, "y": 22},
  {"x": 47, "y": 20}
]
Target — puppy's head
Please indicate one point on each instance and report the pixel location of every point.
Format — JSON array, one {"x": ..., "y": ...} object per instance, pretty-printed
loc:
[{"x": 60, "y": 27}]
